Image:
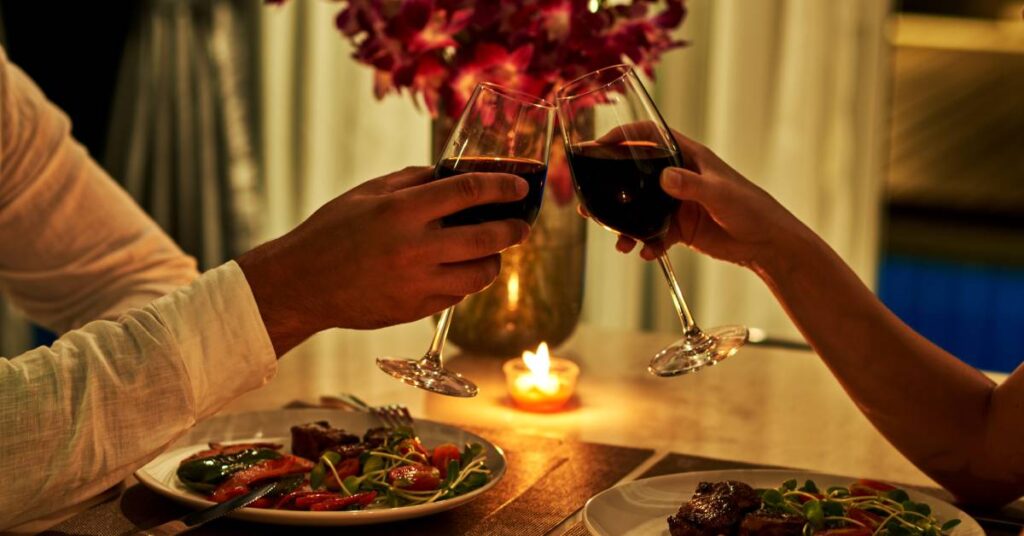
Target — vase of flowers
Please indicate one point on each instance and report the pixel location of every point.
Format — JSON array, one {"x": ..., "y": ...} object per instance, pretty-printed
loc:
[{"x": 438, "y": 51}]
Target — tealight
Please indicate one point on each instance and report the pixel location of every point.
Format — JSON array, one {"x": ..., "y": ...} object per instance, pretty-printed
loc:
[{"x": 539, "y": 382}]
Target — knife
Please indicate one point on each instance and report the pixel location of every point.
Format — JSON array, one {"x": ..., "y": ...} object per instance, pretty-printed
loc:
[{"x": 195, "y": 519}]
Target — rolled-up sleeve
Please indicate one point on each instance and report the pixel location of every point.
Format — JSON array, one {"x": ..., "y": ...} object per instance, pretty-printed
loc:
[
  {"x": 147, "y": 347},
  {"x": 79, "y": 416}
]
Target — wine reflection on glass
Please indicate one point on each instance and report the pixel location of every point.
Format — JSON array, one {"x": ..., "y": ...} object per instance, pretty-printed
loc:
[
  {"x": 500, "y": 131},
  {"x": 617, "y": 178}
]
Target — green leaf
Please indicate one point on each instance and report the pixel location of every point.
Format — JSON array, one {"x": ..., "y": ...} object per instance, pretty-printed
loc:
[
  {"x": 470, "y": 483},
  {"x": 810, "y": 487},
  {"x": 373, "y": 463},
  {"x": 920, "y": 508},
  {"x": 451, "y": 473},
  {"x": 895, "y": 528},
  {"x": 897, "y": 495},
  {"x": 950, "y": 524},
  {"x": 772, "y": 497},
  {"x": 469, "y": 453},
  {"x": 832, "y": 508},
  {"x": 316, "y": 475},
  {"x": 789, "y": 485},
  {"x": 838, "y": 492},
  {"x": 351, "y": 483},
  {"x": 332, "y": 456},
  {"x": 814, "y": 513}
]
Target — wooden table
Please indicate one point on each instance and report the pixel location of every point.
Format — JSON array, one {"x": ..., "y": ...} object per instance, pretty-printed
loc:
[{"x": 764, "y": 405}]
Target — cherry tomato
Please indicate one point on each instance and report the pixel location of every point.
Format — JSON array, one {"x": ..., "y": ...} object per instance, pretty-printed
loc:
[
  {"x": 415, "y": 477},
  {"x": 443, "y": 454}
]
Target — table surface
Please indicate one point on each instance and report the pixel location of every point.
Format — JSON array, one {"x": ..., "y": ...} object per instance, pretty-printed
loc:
[{"x": 764, "y": 405}]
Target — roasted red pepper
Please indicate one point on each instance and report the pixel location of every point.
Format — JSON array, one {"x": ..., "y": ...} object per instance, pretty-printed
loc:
[
  {"x": 304, "y": 502},
  {"x": 264, "y": 470},
  {"x": 339, "y": 503}
]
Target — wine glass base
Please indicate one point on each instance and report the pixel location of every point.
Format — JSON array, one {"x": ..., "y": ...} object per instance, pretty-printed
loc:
[
  {"x": 430, "y": 378},
  {"x": 691, "y": 354}
]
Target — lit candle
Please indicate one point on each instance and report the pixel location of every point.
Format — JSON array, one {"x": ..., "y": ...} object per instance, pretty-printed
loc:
[{"x": 539, "y": 382}]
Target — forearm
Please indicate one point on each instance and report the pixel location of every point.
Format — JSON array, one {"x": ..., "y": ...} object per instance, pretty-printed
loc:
[
  {"x": 933, "y": 407},
  {"x": 74, "y": 247}
]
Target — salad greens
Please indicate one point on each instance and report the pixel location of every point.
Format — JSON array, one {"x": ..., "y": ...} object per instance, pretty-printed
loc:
[
  {"x": 865, "y": 507},
  {"x": 400, "y": 472},
  {"x": 390, "y": 468}
]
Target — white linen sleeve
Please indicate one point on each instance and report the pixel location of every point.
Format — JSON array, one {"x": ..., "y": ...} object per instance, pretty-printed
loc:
[
  {"x": 74, "y": 246},
  {"x": 78, "y": 417}
]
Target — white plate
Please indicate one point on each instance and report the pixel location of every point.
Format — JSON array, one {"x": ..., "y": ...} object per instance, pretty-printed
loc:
[
  {"x": 641, "y": 507},
  {"x": 159, "y": 474}
]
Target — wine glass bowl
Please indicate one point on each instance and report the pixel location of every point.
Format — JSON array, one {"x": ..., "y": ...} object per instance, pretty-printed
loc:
[
  {"x": 500, "y": 131},
  {"x": 617, "y": 177}
]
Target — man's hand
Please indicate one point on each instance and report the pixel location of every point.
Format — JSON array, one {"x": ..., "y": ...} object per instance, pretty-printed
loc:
[{"x": 377, "y": 255}]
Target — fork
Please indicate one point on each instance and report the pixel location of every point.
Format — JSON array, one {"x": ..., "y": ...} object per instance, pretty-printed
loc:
[{"x": 392, "y": 415}]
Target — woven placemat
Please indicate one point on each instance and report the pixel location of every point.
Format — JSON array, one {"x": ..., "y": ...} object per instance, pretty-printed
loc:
[{"x": 546, "y": 481}]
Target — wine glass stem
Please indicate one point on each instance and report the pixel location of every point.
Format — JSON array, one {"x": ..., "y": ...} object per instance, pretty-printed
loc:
[
  {"x": 433, "y": 356},
  {"x": 685, "y": 318}
]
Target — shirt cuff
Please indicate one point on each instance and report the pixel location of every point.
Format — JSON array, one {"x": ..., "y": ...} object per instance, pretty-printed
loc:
[{"x": 221, "y": 337}]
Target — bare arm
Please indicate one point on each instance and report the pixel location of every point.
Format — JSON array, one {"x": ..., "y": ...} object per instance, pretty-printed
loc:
[{"x": 949, "y": 419}]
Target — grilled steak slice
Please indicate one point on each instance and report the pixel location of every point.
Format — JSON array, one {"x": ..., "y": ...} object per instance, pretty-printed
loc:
[
  {"x": 716, "y": 508},
  {"x": 312, "y": 439},
  {"x": 769, "y": 523},
  {"x": 375, "y": 437},
  {"x": 352, "y": 450}
]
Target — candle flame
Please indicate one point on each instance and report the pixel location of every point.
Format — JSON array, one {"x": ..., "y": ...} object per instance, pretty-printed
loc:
[
  {"x": 540, "y": 376},
  {"x": 513, "y": 290}
]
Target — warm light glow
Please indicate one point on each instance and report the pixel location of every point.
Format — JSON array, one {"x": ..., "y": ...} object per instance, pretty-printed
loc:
[
  {"x": 513, "y": 291},
  {"x": 539, "y": 377},
  {"x": 539, "y": 381},
  {"x": 594, "y": 5}
]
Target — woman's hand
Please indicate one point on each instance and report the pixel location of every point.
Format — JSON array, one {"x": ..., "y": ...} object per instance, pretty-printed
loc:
[{"x": 721, "y": 214}]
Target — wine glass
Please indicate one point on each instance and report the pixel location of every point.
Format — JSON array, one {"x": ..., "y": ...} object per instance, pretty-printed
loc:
[
  {"x": 617, "y": 178},
  {"x": 500, "y": 130}
]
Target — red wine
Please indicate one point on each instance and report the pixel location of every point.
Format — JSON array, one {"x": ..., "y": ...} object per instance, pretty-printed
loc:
[
  {"x": 620, "y": 186},
  {"x": 526, "y": 209}
]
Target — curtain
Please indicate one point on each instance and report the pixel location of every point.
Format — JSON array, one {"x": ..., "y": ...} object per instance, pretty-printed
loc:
[
  {"x": 323, "y": 131},
  {"x": 793, "y": 94},
  {"x": 181, "y": 135}
]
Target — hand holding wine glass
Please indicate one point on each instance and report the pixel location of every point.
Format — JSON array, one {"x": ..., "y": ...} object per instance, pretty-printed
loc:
[
  {"x": 618, "y": 179},
  {"x": 500, "y": 132},
  {"x": 721, "y": 213}
]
